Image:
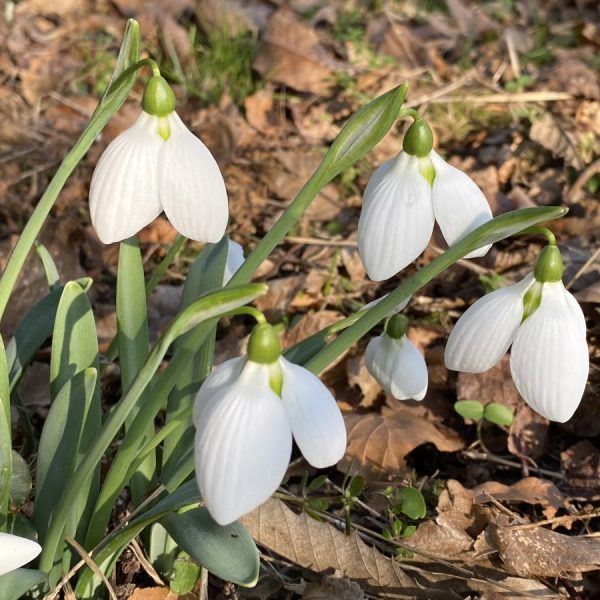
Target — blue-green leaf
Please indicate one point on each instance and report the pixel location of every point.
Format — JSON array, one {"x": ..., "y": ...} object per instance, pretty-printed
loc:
[
  {"x": 5, "y": 436},
  {"x": 15, "y": 584},
  {"x": 228, "y": 552}
]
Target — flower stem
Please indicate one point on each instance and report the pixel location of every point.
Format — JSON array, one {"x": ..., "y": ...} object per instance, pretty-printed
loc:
[
  {"x": 409, "y": 112},
  {"x": 258, "y": 316},
  {"x": 538, "y": 230}
]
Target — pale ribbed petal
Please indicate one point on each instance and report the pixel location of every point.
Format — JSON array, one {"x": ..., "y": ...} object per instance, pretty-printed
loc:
[
  {"x": 398, "y": 308},
  {"x": 235, "y": 259},
  {"x": 222, "y": 376},
  {"x": 191, "y": 187},
  {"x": 16, "y": 551},
  {"x": 316, "y": 420},
  {"x": 458, "y": 204},
  {"x": 484, "y": 333},
  {"x": 398, "y": 367},
  {"x": 124, "y": 188},
  {"x": 396, "y": 221},
  {"x": 549, "y": 359},
  {"x": 243, "y": 445}
]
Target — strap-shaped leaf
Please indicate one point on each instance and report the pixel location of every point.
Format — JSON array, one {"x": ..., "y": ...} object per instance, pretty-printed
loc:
[
  {"x": 5, "y": 437},
  {"x": 228, "y": 552},
  {"x": 15, "y": 584}
]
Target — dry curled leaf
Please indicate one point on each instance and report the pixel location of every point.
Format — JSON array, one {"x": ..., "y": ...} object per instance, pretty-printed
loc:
[
  {"x": 539, "y": 552},
  {"x": 581, "y": 466},
  {"x": 378, "y": 444},
  {"x": 531, "y": 490},
  {"x": 318, "y": 546}
]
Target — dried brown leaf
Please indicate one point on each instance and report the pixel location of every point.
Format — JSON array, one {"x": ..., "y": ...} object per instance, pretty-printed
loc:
[
  {"x": 378, "y": 444},
  {"x": 318, "y": 546},
  {"x": 531, "y": 490},
  {"x": 557, "y": 137},
  {"x": 581, "y": 465},
  {"x": 540, "y": 552},
  {"x": 333, "y": 588}
]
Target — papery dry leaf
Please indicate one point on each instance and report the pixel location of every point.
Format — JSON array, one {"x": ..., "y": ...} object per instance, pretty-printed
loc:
[
  {"x": 308, "y": 325},
  {"x": 581, "y": 465},
  {"x": 557, "y": 137},
  {"x": 280, "y": 295},
  {"x": 318, "y": 546},
  {"x": 290, "y": 53},
  {"x": 359, "y": 375},
  {"x": 539, "y": 552},
  {"x": 154, "y": 593},
  {"x": 377, "y": 444},
  {"x": 531, "y": 490}
]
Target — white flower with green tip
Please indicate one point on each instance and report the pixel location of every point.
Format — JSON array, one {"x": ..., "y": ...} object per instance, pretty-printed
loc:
[
  {"x": 543, "y": 322},
  {"x": 245, "y": 415},
  {"x": 158, "y": 165},
  {"x": 404, "y": 198}
]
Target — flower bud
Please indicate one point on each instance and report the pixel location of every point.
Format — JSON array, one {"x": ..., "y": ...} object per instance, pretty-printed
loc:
[
  {"x": 418, "y": 140},
  {"x": 158, "y": 99},
  {"x": 264, "y": 346}
]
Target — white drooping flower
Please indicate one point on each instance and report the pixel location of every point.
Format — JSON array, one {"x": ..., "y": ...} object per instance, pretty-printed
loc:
[
  {"x": 403, "y": 199},
  {"x": 158, "y": 165},
  {"x": 234, "y": 260},
  {"x": 396, "y": 364},
  {"x": 246, "y": 413},
  {"x": 549, "y": 360},
  {"x": 16, "y": 551}
]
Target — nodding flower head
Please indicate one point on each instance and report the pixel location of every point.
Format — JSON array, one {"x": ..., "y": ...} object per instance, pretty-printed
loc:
[
  {"x": 158, "y": 165},
  {"x": 403, "y": 199},
  {"x": 16, "y": 551}
]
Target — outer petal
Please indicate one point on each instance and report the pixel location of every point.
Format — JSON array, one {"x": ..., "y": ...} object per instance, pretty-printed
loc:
[
  {"x": 16, "y": 551},
  {"x": 484, "y": 333},
  {"x": 191, "y": 187},
  {"x": 458, "y": 204},
  {"x": 549, "y": 359},
  {"x": 316, "y": 420},
  {"x": 396, "y": 221},
  {"x": 124, "y": 188},
  {"x": 243, "y": 445},
  {"x": 235, "y": 259},
  {"x": 223, "y": 375},
  {"x": 398, "y": 366}
]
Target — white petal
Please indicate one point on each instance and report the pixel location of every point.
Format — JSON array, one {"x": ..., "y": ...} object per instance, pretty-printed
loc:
[
  {"x": 316, "y": 420},
  {"x": 222, "y": 376},
  {"x": 191, "y": 187},
  {"x": 235, "y": 259},
  {"x": 484, "y": 333},
  {"x": 243, "y": 445},
  {"x": 124, "y": 188},
  {"x": 549, "y": 359},
  {"x": 398, "y": 308},
  {"x": 16, "y": 551},
  {"x": 398, "y": 367},
  {"x": 396, "y": 221},
  {"x": 458, "y": 204}
]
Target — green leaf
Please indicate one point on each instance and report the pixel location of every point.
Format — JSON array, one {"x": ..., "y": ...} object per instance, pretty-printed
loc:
[
  {"x": 316, "y": 484},
  {"x": 20, "y": 485},
  {"x": 185, "y": 574},
  {"x": 19, "y": 524},
  {"x": 355, "y": 487},
  {"x": 35, "y": 328},
  {"x": 205, "y": 275},
  {"x": 498, "y": 228},
  {"x": 413, "y": 503},
  {"x": 228, "y": 552},
  {"x": 132, "y": 336},
  {"x": 59, "y": 443},
  {"x": 49, "y": 265},
  {"x": 498, "y": 414},
  {"x": 15, "y": 584},
  {"x": 469, "y": 409},
  {"x": 5, "y": 436},
  {"x": 409, "y": 530},
  {"x": 162, "y": 551},
  {"x": 129, "y": 53}
]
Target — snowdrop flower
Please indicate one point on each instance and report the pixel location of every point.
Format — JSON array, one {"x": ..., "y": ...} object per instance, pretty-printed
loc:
[
  {"x": 396, "y": 364},
  {"x": 403, "y": 199},
  {"x": 549, "y": 360},
  {"x": 16, "y": 551},
  {"x": 245, "y": 415},
  {"x": 234, "y": 260},
  {"x": 158, "y": 165}
]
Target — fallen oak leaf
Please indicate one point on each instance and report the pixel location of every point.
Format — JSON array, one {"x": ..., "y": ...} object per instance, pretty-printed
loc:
[{"x": 378, "y": 444}]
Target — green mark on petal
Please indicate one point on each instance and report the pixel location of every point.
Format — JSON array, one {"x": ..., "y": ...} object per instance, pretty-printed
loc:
[
  {"x": 426, "y": 169},
  {"x": 164, "y": 129},
  {"x": 276, "y": 378},
  {"x": 532, "y": 299}
]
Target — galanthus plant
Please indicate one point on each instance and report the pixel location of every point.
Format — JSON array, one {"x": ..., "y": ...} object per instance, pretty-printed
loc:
[{"x": 190, "y": 449}]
